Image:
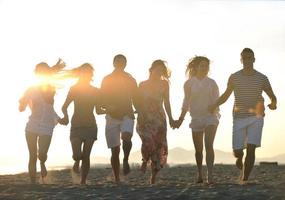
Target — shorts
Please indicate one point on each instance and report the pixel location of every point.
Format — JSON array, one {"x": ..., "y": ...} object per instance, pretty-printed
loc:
[
  {"x": 247, "y": 131},
  {"x": 200, "y": 124},
  {"x": 84, "y": 133},
  {"x": 115, "y": 127}
]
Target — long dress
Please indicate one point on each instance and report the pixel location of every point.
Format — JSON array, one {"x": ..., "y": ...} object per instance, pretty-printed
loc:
[{"x": 152, "y": 128}]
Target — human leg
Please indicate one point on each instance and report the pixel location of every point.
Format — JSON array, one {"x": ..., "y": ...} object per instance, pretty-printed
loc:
[
  {"x": 198, "y": 144},
  {"x": 44, "y": 143},
  {"x": 210, "y": 133},
  {"x": 249, "y": 161},
  {"x": 115, "y": 162},
  {"x": 31, "y": 139},
  {"x": 76, "y": 144},
  {"x": 127, "y": 127},
  {"x": 87, "y": 147}
]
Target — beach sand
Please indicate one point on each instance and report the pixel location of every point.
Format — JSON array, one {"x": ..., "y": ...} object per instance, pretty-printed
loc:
[{"x": 178, "y": 182}]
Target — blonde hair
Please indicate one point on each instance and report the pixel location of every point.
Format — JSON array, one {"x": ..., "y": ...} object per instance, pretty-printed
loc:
[
  {"x": 166, "y": 73},
  {"x": 82, "y": 70},
  {"x": 193, "y": 64}
]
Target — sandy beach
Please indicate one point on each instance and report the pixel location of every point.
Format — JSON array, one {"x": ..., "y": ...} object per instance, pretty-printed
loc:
[{"x": 178, "y": 182}]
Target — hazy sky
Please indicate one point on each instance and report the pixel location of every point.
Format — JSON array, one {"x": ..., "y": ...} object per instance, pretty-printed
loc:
[{"x": 173, "y": 30}]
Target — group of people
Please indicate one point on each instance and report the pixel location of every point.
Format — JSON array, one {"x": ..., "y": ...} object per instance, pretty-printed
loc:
[{"x": 120, "y": 98}]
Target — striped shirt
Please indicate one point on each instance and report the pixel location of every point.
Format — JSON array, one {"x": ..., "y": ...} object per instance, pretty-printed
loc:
[{"x": 248, "y": 93}]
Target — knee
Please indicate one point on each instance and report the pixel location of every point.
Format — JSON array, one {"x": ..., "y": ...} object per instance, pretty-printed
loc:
[
  {"x": 116, "y": 151},
  {"x": 209, "y": 147},
  {"x": 238, "y": 153},
  {"x": 126, "y": 137},
  {"x": 77, "y": 157},
  {"x": 198, "y": 152},
  {"x": 33, "y": 157},
  {"x": 42, "y": 157},
  {"x": 85, "y": 157}
]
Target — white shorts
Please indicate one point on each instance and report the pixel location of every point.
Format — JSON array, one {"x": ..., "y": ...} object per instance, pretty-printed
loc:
[
  {"x": 114, "y": 128},
  {"x": 247, "y": 131},
  {"x": 200, "y": 124}
]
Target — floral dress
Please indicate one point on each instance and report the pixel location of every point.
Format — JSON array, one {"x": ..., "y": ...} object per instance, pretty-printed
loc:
[{"x": 152, "y": 127}]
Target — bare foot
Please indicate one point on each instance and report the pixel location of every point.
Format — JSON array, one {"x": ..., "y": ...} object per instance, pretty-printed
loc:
[
  {"x": 43, "y": 170},
  {"x": 126, "y": 167},
  {"x": 143, "y": 167},
  {"x": 75, "y": 167}
]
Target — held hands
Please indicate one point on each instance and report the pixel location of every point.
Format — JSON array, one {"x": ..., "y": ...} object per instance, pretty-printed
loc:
[
  {"x": 172, "y": 123},
  {"x": 63, "y": 121},
  {"x": 178, "y": 123}
]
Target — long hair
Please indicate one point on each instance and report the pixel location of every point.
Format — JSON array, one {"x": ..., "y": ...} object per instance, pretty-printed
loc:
[
  {"x": 192, "y": 66},
  {"x": 83, "y": 69},
  {"x": 43, "y": 68},
  {"x": 166, "y": 73}
]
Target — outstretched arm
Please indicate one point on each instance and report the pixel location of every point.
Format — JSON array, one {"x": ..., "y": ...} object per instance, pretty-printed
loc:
[
  {"x": 224, "y": 97},
  {"x": 185, "y": 106}
]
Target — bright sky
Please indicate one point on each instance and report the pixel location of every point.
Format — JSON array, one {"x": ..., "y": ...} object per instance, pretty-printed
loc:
[{"x": 173, "y": 30}]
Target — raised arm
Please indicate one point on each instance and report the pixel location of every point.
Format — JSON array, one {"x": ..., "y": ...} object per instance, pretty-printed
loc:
[{"x": 167, "y": 103}]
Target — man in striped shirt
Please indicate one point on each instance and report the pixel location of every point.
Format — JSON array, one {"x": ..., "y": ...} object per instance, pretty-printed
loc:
[{"x": 248, "y": 111}]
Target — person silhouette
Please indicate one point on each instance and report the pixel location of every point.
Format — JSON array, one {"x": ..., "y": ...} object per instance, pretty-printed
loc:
[
  {"x": 119, "y": 94},
  {"x": 83, "y": 132},
  {"x": 152, "y": 126},
  {"x": 43, "y": 118},
  {"x": 248, "y": 111}
]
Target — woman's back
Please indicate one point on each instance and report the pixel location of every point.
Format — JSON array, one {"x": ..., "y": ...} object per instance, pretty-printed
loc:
[{"x": 85, "y": 98}]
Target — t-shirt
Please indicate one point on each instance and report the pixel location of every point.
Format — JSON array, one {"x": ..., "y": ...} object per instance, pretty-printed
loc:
[
  {"x": 248, "y": 93},
  {"x": 118, "y": 92},
  {"x": 43, "y": 118},
  {"x": 85, "y": 98},
  {"x": 201, "y": 94}
]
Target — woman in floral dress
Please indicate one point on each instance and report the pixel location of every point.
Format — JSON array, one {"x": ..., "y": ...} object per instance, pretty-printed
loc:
[{"x": 152, "y": 126}]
